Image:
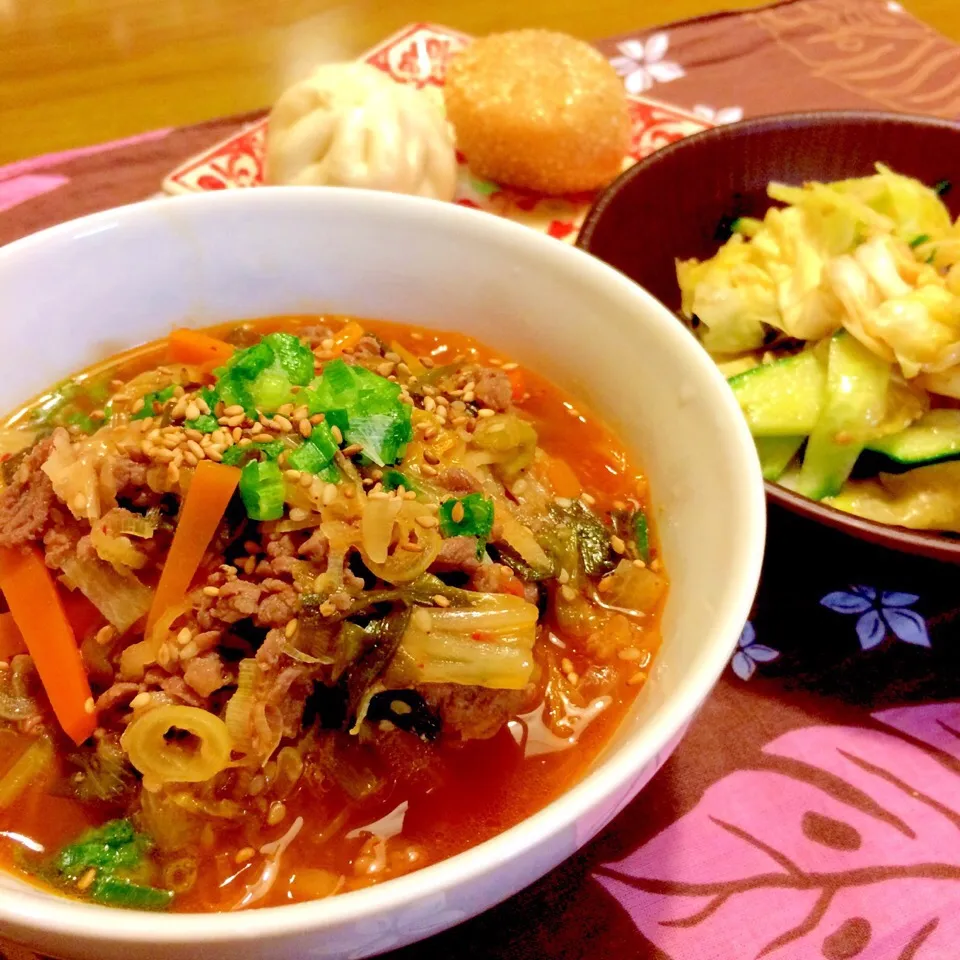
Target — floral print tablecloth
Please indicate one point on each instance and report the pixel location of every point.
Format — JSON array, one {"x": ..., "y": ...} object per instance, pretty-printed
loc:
[{"x": 813, "y": 809}]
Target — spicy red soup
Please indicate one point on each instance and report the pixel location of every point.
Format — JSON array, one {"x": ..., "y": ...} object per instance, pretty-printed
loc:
[{"x": 299, "y": 605}]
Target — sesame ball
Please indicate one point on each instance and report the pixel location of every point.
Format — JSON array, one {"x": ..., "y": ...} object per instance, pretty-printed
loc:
[{"x": 538, "y": 110}]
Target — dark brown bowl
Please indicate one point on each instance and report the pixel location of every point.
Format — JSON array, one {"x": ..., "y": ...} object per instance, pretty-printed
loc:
[{"x": 679, "y": 203}]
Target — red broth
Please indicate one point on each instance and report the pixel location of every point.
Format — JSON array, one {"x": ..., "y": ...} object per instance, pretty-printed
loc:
[{"x": 471, "y": 790}]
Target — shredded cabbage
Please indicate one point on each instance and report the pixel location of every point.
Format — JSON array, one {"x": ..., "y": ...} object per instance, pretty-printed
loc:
[
  {"x": 31, "y": 766},
  {"x": 487, "y": 644},
  {"x": 926, "y": 498},
  {"x": 122, "y": 599},
  {"x": 851, "y": 253},
  {"x": 118, "y": 551},
  {"x": 877, "y": 256}
]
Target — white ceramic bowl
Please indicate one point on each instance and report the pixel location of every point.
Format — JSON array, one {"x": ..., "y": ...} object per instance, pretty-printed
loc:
[{"x": 73, "y": 294}]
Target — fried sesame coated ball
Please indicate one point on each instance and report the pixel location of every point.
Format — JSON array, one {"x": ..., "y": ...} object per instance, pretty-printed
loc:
[{"x": 538, "y": 110}]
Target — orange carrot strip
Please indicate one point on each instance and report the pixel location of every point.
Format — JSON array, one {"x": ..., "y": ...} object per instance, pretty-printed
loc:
[
  {"x": 33, "y": 599},
  {"x": 11, "y": 639},
  {"x": 517, "y": 382},
  {"x": 191, "y": 346},
  {"x": 349, "y": 336},
  {"x": 210, "y": 491},
  {"x": 562, "y": 479}
]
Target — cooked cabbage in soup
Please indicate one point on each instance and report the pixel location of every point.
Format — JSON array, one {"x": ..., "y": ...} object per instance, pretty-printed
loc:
[{"x": 296, "y": 606}]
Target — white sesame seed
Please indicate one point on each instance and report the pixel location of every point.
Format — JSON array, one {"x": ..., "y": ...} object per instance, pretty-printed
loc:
[{"x": 140, "y": 700}]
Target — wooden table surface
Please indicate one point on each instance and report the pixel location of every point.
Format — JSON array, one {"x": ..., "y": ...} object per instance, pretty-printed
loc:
[{"x": 75, "y": 72}]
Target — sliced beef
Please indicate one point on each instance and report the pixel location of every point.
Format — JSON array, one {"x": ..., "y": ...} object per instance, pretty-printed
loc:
[
  {"x": 25, "y": 504},
  {"x": 458, "y": 480},
  {"x": 268, "y": 655},
  {"x": 315, "y": 547},
  {"x": 472, "y": 713},
  {"x": 61, "y": 538},
  {"x": 495, "y": 578},
  {"x": 288, "y": 694},
  {"x": 119, "y": 693},
  {"x": 205, "y": 674},
  {"x": 280, "y": 545},
  {"x": 177, "y": 688},
  {"x": 279, "y": 606},
  {"x": 314, "y": 335},
  {"x": 493, "y": 388},
  {"x": 238, "y": 600},
  {"x": 128, "y": 474},
  {"x": 457, "y": 553}
]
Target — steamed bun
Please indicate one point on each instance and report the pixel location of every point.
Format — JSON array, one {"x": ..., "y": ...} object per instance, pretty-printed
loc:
[{"x": 350, "y": 125}]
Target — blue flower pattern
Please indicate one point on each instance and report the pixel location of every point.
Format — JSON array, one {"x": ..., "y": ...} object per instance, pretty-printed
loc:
[
  {"x": 750, "y": 653},
  {"x": 880, "y": 613}
]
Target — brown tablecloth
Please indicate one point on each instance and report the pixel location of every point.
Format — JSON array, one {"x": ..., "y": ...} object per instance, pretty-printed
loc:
[{"x": 813, "y": 809}]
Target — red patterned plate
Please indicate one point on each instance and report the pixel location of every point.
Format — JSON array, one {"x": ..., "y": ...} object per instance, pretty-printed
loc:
[{"x": 418, "y": 54}]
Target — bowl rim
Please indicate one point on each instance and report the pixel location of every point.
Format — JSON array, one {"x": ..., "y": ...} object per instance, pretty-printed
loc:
[
  {"x": 28, "y": 912},
  {"x": 934, "y": 545}
]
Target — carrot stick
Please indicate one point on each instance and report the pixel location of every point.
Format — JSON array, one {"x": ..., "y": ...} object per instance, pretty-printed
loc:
[
  {"x": 191, "y": 346},
  {"x": 11, "y": 639},
  {"x": 33, "y": 599},
  {"x": 517, "y": 383},
  {"x": 349, "y": 336},
  {"x": 210, "y": 491},
  {"x": 559, "y": 474}
]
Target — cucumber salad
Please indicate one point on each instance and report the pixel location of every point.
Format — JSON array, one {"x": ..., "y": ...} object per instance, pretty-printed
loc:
[{"x": 836, "y": 319}]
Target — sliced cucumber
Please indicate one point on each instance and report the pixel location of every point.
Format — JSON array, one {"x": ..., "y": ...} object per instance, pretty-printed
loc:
[
  {"x": 776, "y": 453},
  {"x": 934, "y": 437},
  {"x": 855, "y": 402},
  {"x": 782, "y": 399}
]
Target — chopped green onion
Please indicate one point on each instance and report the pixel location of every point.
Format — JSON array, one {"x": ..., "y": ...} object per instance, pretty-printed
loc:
[
  {"x": 118, "y": 892},
  {"x": 476, "y": 519},
  {"x": 383, "y": 437},
  {"x": 158, "y": 397},
  {"x": 942, "y": 187},
  {"x": 315, "y": 454},
  {"x": 271, "y": 389},
  {"x": 262, "y": 490},
  {"x": 82, "y": 420},
  {"x": 114, "y": 846},
  {"x": 394, "y": 478},
  {"x": 234, "y": 391},
  {"x": 206, "y": 423},
  {"x": 307, "y": 459},
  {"x": 641, "y": 535},
  {"x": 234, "y": 456},
  {"x": 112, "y": 851},
  {"x": 323, "y": 439},
  {"x": 365, "y": 407},
  {"x": 294, "y": 358},
  {"x": 921, "y": 238},
  {"x": 272, "y": 450},
  {"x": 330, "y": 473},
  {"x": 247, "y": 364}
]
